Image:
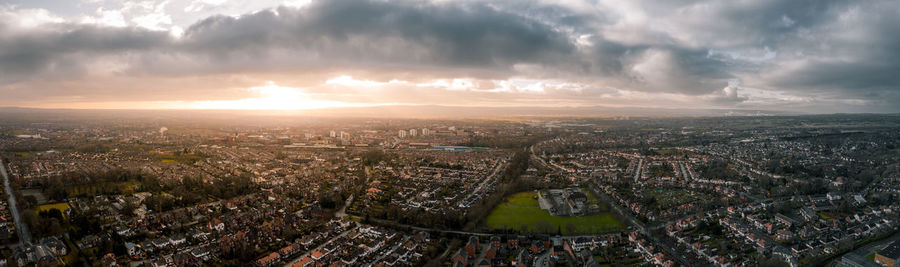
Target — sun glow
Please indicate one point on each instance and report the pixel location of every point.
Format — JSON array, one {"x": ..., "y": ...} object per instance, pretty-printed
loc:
[{"x": 272, "y": 97}]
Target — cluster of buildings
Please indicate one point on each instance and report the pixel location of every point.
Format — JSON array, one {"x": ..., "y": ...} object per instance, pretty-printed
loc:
[
  {"x": 566, "y": 202},
  {"x": 365, "y": 245},
  {"x": 732, "y": 185},
  {"x": 46, "y": 252},
  {"x": 433, "y": 181},
  {"x": 521, "y": 250},
  {"x": 7, "y": 223},
  {"x": 712, "y": 194}
]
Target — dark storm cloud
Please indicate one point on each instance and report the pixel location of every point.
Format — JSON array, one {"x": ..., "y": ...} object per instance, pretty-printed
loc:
[
  {"x": 854, "y": 55},
  {"x": 467, "y": 39},
  {"x": 60, "y": 50},
  {"x": 842, "y": 50},
  {"x": 403, "y": 33}
]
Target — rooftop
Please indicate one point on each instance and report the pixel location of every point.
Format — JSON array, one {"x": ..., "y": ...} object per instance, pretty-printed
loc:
[{"x": 891, "y": 251}]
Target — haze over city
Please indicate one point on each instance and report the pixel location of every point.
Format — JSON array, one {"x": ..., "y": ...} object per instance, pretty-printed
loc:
[{"x": 788, "y": 56}]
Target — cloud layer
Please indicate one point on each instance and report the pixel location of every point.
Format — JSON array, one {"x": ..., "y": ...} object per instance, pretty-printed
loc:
[{"x": 813, "y": 56}]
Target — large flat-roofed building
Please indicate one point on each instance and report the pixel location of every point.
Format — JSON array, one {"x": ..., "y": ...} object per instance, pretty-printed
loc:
[
  {"x": 856, "y": 260},
  {"x": 889, "y": 256}
]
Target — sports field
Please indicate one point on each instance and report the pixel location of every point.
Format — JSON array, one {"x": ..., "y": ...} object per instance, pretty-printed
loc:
[{"x": 522, "y": 212}]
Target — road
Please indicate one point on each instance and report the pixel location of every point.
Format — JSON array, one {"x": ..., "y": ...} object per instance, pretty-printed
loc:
[
  {"x": 624, "y": 213},
  {"x": 481, "y": 187},
  {"x": 21, "y": 227},
  {"x": 386, "y": 253},
  {"x": 320, "y": 246},
  {"x": 637, "y": 171},
  {"x": 865, "y": 190},
  {"x": 343, "y": 211},
  {"x": 400, "y": 225}
]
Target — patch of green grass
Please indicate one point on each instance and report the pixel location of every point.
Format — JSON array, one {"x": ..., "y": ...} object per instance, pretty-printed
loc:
[
  {"x": 62, "y": 207},
  {"x": 14, "y": 132},
  {"x": 522, "y": 210},
  {"x": 828, "y": 216},
  {"x": 180, "y": 158}
]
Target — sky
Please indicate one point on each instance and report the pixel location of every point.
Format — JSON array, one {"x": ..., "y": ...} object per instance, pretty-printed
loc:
[{"x": 810, "y": 56}]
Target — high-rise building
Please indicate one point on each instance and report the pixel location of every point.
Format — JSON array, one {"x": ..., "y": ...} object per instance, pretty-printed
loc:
[
  {"x": 401, "y": 133},
  {"x": 412, "y": 132},
  {"x": 425, "y": 132},
  {"x": 332, "y": 134},
  {"x": 345, "y": 135}
]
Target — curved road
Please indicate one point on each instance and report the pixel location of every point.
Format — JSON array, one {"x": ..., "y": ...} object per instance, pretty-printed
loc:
[
  {"x": 644, "y": 229},
  {"x": 21, "y": 227}
]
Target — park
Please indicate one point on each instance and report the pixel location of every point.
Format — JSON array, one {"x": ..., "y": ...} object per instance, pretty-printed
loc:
[{"x": 522, "y": 212}]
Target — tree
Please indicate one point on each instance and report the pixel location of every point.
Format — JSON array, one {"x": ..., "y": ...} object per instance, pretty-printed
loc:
[
  {"x": 34, "y": 222},
  {"x": 51, "y": 213}
]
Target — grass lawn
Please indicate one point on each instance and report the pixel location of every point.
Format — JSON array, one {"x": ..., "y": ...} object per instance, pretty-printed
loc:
[
  {"x": 62, "y": 207},
  {"x": 181, "y": 158},
  {"x": 522, "y": 209},
  {"x": 828, "y": 216},
  {"x": 669, "y": 151}
]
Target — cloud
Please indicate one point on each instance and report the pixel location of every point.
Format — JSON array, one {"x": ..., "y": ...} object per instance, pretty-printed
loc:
[
  {"x": 730, "y": 94},
  {"x": 111, "y": 18},
  {"x": 199, "y": 5},
  {"x": 26, "y": 18},
  {"x": 824, "y": 52},
  {"x": 731, "y": 90}
]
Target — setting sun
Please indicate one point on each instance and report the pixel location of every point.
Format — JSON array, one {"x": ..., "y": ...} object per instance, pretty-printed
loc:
[{"x": 271, "y": 97}]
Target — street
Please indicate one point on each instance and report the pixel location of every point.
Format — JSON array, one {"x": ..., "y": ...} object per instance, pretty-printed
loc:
[{"x": 21, "y": 227}]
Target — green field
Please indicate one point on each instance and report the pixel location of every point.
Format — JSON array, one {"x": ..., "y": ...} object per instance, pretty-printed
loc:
[
  {"x": 522, "y": 212},
  {"x": 62, "y": 207}
]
